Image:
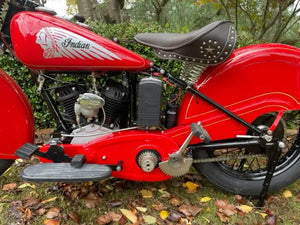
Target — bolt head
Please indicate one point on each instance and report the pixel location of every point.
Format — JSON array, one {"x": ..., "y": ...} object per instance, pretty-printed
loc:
[{"x": 281, "y": 144}]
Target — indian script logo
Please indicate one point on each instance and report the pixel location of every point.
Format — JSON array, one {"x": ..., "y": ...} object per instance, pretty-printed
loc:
[{"x": 57, "y": 43}]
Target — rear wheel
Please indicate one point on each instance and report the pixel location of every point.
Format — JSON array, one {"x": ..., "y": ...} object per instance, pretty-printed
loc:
[
  {"x": 5, "y": 164},
  {"x": 246, "y": 176}
]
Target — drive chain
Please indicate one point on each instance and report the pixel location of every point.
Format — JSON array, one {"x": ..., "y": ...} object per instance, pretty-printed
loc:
[{"x": 219, "y": 159}]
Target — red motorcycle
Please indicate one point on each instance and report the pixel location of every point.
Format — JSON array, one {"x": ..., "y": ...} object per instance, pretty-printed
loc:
[{"x": 233, "y": 114}]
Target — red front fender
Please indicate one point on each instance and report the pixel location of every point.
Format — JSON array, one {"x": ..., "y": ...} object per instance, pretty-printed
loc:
[
  {"x": 16, "y": 118},
  {"x": 254, "y": 80}
]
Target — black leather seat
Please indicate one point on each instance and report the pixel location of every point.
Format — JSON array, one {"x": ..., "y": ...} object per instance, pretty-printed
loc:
[{"x": 209, "y": 45}]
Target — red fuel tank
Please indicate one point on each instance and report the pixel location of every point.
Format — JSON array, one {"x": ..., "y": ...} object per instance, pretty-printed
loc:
[{"x": 45, "y": 42}]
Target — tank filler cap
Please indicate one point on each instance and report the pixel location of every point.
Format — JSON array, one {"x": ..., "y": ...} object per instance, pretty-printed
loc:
[
  {"x": 45, "y": 10},
  {"x": 83, "y": 25}
]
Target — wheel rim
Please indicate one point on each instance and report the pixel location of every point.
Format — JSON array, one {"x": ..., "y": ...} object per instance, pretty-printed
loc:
[{"x": 255, "y": 168}]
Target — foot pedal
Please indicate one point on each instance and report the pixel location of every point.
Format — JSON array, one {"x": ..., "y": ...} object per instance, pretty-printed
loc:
[
  {"x": 200, "y": 132},
  {"x": 78, "y": 160},
  {"x": 64, "y": 172},
  {"x": 26, "y": 151}
]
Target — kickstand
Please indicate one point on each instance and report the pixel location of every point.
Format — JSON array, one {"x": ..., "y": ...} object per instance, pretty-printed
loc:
[{"x": 272, "y": 163}]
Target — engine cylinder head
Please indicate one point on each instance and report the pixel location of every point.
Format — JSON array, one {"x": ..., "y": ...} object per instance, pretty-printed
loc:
[
  {"x": 67, "y": 96},
  {"x": 116, "y": 101}
]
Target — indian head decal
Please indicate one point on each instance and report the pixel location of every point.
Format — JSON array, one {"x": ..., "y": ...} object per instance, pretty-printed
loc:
[{"x": 57, "y": 43}]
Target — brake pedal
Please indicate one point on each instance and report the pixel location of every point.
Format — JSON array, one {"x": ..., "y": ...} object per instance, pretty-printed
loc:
[{"x": 26, "y": 151}]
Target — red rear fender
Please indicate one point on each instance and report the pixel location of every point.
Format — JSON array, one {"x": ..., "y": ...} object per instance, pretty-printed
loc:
[
  {"x": 16, "y": 118},
  {"x": 255, "y": 80}
]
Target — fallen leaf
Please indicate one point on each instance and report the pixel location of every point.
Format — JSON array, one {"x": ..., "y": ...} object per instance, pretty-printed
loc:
[
  {"x": 191, "y": 186},
  {"x": 263, "y": 215},
  {"x": 88, "y": 183},
  {"x": 159, "y": 206},
  {"x": 75, "y": 217},
  {"x": 287, "y": 194},
  {"x": 223, "y": 217},
  {"x": 8, "y": 170},
  {"x": 175, "y": 216},
  {"x": 189, "y": 210},
  {"x": 14, "y": 212},
  {"x": 146, "y": 193},
  {"x": 270, "y": 219},
  {"x": 41, "y": 211},
  {"x": 207, "y": 220},
  {"x": 115, "y": 216},
  {"x": 185, "y": 221},
  {"x": 123, "y": 220},
  {"x": 149, "y": 219},
  {"x": 115, "y": 203},
  {"x": 240, "y": 199},
  {"x": 227, "y": 209},
  {"x": 31, "y": 203},
  {"x": 53, "y": 212},
  {"x": 92, "y": 200},
  {"x": 205, "y": 199},
  {"x": 175, "y": 201},
  {"x": 141, "y": 209},
  {"x": 34, "y": 194},
  {"x": 245, "y": 208},
  {"x": 164, "y": 194},
  {"x": 28, "y": 213},
  {"x": 129, "y": 215},
  {"x": 19, "y": 161},
  {"x": 272, "y": 198},
  {"x": 1, "y": 207},
  {"x": 164, "y": 214},
  {"x": 9, "y": 187},
  {"x": 52, "y": 222},
  {"x": 25, "y": 185},
  {"x": 49, "y": 200},
  {"x": 104, "y": 219},
  {"x": 220, "y": 204}
]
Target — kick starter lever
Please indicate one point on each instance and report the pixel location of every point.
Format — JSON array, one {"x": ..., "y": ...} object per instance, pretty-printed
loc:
[{"x": 177, "y": 164}]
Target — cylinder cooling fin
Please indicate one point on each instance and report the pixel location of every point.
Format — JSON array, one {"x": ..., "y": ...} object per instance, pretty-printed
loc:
[
  {"x": 115, "y": 95},
  {"x": 67, "y": 96}
]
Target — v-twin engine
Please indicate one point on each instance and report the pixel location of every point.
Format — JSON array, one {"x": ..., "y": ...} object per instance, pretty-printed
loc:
[{"x": 88, "y": 105}]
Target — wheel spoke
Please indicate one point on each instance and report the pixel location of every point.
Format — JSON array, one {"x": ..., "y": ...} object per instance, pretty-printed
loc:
[
  {"x": 287, "y": 130},
  {"x": 247, "y": 166}
]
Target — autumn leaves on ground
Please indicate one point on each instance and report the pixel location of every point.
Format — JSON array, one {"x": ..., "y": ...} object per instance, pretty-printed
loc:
[{"x": 185, "y": 200}]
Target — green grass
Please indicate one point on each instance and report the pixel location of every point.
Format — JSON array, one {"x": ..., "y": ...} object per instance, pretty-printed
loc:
[{"x": 71, "y": 198}]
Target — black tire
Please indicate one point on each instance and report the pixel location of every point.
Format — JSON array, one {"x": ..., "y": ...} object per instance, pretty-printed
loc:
[
  {"x": 235, "y": 176},
  {"x": 5, "y": 164}
]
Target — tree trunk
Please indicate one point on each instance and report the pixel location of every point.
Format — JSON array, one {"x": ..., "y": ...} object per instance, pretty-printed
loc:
[
  {"x": 112, "y": 11},
  {"x": 89, "y": 9}
]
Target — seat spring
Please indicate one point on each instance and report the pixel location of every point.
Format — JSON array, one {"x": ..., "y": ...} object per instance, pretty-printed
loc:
[{"x": 190, "y": 72}]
